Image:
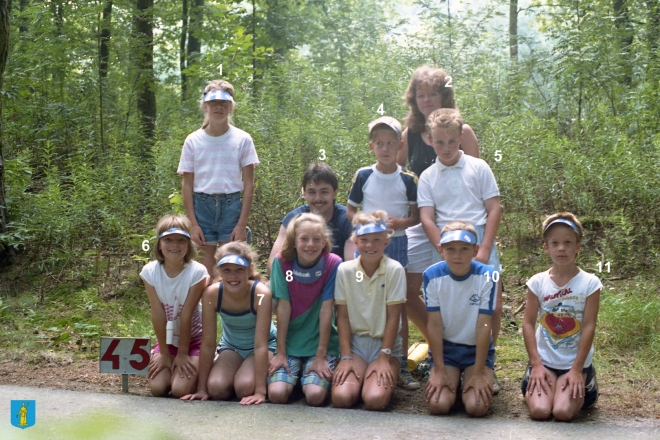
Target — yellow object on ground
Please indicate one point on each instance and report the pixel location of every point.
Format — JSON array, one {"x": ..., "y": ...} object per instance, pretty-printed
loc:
[{"x": 416, "y": 353}]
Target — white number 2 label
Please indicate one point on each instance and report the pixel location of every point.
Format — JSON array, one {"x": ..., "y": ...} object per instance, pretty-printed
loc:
[{"x": 448, "y": 83}]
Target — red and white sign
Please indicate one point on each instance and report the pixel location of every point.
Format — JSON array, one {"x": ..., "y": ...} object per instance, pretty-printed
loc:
[{"x": 125, "y": 355}]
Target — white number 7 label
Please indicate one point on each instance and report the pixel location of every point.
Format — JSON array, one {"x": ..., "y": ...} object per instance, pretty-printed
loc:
[{"x": 261, "y": 297}]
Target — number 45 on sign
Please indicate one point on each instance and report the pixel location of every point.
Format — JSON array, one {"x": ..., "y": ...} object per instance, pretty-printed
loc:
[{"x": 124, "y": 356}]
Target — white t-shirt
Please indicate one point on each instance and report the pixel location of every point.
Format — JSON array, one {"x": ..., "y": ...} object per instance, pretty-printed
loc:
[
  {"x": 458, "y": 192},
  {"x": 560, "y": 317},
  {"x": 217, "y": 161},
  {"x": 460, "y": 300},
  {"x": 174, "y": 291},
  {"x": 392, "y": 192}
]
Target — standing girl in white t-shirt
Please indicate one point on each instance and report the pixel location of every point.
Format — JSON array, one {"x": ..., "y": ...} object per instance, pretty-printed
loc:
[
  {"x": 174, "y": 283},
  {"x": 560, "y": 379},
  {"x": 217, "y": 163}
]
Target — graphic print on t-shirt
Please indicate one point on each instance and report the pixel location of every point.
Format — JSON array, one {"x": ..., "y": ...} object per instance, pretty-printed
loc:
[{"x": 560, "y": 325}]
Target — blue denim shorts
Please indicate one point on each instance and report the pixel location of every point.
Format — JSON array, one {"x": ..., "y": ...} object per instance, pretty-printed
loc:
[
  {"x": 397, "y": 249},
  {"x": 462, "y": 356},
  {"x": 217, "y": 215}
]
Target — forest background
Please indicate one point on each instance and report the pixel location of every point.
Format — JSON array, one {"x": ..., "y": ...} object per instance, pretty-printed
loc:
[{"x": 98, "y": 96}]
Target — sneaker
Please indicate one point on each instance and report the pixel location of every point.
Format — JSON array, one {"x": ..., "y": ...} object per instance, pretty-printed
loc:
[
  {"x": 496, "y": 385},
  {"x": 406, "y": 381},
  {"x": 427, "y": 375},
  {"x": 591, "y": 391},
  {"x": 425, "y": 365}
]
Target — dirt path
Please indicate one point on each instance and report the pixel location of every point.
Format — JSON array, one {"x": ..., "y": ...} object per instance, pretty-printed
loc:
[{"x": 55, "y": 372}]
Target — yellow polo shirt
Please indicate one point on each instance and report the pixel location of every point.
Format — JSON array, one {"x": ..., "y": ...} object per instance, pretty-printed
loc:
[{"x": 367, "y": 300}]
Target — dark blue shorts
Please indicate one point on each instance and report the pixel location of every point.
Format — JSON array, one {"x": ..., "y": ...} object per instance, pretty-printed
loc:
[
  {"x": 590, "y": 384},
  {"x": 462, "y": 356}
]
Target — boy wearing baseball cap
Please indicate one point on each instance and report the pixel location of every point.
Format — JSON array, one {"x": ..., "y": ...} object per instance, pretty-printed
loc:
[
  {"x": 389, "y": 187},
  {"x": 460, "y": 296}
]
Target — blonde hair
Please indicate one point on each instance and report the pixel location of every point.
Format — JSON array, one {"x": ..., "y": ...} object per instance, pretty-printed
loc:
[
  {"x": 237, "y": 248},
  {"x": 362, "y": 218},
  {"x": 435, "y": 78},
  {"x": 444, "y": 118},
  {"x": 288, "y": 251},
  {"x": 566, "y": 216},
  {"x": 216, "y": 84},
  {"x": 174, "y": 221},
  {"x": 459, "y": 225}
]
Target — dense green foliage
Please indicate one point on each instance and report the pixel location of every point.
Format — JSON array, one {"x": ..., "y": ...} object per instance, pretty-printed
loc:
[{"x": 576, "y": 121}]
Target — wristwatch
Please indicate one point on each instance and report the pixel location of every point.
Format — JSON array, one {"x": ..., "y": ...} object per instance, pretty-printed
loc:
[{"x": 386, "y": 350}]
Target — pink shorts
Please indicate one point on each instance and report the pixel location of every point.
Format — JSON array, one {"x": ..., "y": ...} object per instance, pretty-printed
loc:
[{"x": 193, "y": 349}]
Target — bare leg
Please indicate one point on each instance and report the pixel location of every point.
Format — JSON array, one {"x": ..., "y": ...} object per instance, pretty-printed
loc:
[
  {"x": 184, "y": 385},
  {"x": 415, "y": 307},
  {"x": 207, "y": 253},
  {"x": 161, "y": 384},
  {"x": 377, "y": 397},
  {"x": 221, "y": 378},
  {"x": 347, "y": 394}
]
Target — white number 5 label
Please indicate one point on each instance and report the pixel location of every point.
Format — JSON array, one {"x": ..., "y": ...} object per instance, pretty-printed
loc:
[{"x": 124, "y": 355}]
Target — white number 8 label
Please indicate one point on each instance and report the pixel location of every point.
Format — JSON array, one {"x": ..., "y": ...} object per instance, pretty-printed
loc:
[{"x": 289, "y": 276}]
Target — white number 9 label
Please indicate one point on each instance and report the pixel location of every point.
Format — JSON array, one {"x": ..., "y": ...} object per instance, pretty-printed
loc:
[{"x": 359, "y": 276}]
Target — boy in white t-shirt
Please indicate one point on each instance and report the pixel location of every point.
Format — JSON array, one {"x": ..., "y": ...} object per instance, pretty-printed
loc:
[
  {"x": 560, "y": 379},
  {"x": 460, "y": 299},
  {"x": 389, "y": 187},
  {"x": 460, "y": 187}
]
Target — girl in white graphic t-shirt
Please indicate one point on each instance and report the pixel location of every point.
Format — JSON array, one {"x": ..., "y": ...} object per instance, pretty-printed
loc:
[
  {"x": 560, "y": 379},
  {"x": 174, "y": 283}
]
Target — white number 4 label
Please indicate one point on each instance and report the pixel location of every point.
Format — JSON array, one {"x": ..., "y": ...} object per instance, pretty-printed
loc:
[{"x": 381, "y": 110}]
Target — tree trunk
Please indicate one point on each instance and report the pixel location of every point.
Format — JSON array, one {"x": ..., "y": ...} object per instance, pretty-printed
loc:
[
  {"x": 22, "y": 26},
  {"x": 104, "y": 40},
  {"x": 182, "y": 49},
  {"x": 653, "y": 25},
  {"x": 5, "y": 254},
  {"x": 622, "y": 22},
  {"x": 194, "y": 42},
  {"x": 195, "y": 20},
  {"x": 146, "y": 92},
  {"x": 513, "y": 30}
]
